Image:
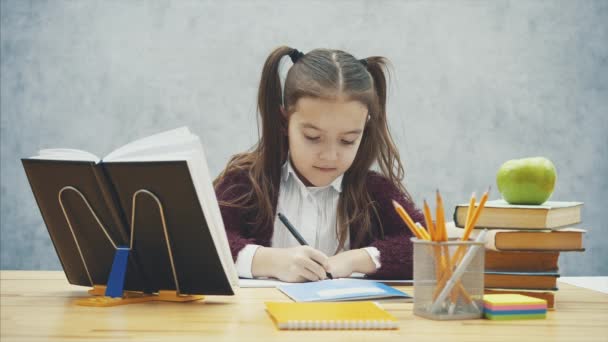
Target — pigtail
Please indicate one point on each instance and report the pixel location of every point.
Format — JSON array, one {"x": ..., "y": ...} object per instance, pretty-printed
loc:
[
  {"x": 388, "y": 154},
  {"x": 274, "y": 124},
  {"x": 377, "y": 67},
  {"x": 272, "y": 146},
  {"x": 264, "y": 161}
]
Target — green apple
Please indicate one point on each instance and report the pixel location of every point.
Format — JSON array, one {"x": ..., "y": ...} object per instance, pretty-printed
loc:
[{"x": 526, "y": 181}]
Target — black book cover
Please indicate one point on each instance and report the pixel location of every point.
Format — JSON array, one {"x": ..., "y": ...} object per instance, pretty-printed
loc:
[
  {"x": 196, "y": 261},
  {"x": 47, "y": 178}
]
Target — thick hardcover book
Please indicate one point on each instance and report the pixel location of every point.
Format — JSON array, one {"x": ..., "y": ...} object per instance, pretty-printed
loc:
[
  {"x": 521, "y": 280},
  {"x": 500, "y": 214},
  {"x": 566, "y": 239},
  {"x": 536, "y": 261},
  {"x": 47, "y": 179},
  {"x": 154, "y": 195}
]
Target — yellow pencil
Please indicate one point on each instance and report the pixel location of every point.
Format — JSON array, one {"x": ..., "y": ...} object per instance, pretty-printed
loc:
[
  {"x": 423, "y": 232},
  {"x": 471, "y": 225},
  {"x": 408, "y": 220},
  {"x": 469, "y": 212},
  {"x": 429, "y": 221},
  {"x": 475, "y": 217},
  {"x": 440, "y": 219}
]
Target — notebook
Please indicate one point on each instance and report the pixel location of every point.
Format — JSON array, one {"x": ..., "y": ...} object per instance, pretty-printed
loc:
[
  {"x": 321, "y": 316},
  {"x": 342, "y": 290}
]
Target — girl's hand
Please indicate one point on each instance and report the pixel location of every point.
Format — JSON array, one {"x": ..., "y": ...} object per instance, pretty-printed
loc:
[
  {"x": 346, "y": 263},
  {"x": 295, "y": 264},
  {"x": 341, "y": 265}
]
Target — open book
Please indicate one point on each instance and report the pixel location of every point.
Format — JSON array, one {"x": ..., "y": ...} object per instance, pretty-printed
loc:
[{"x": 154, "y": 195}]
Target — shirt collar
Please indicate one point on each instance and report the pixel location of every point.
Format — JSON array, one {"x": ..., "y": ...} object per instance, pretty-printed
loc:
[{"x": 288, "y": 170}]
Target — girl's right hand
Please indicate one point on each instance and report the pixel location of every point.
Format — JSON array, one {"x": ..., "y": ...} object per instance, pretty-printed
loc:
[{"x": 295, "y": 264}]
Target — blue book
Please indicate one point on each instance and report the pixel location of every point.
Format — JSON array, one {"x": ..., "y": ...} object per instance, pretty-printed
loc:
[{"x": 342, "y": 290}]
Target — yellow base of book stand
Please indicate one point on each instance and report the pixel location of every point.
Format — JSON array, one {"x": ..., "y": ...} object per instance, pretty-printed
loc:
[{"x": 131, "y": 297}]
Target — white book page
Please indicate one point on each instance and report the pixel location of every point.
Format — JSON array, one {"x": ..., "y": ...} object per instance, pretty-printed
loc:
[
  {"x": 164, "y": 143},
  {"x": 158, "y": 155},
  {"x": 154, "y": 152},
  {"x": 66, "y": 154},
  {"x": 185, "y": 146},
  {"x": 172, "y": 137},
  {"x": 206, "y": 194}
]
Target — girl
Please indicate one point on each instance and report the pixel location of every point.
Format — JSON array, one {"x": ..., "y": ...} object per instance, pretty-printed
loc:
[{"x": 319, "y": 139}]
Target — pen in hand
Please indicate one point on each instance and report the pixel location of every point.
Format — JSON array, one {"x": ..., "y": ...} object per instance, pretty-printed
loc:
[{"x": 297, "y": 235}]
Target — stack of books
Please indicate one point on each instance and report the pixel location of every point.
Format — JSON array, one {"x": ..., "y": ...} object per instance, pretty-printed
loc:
[{"x": 524, "y": 243}]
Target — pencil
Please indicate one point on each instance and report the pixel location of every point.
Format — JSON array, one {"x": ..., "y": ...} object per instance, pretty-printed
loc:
[
  {"x": 429, "y": 221},
  {"x": 423, "y": 231},
  {"x": 440, "y": 218},
  {"x": 469, "y": 212},
  {"x": 408, "y": 220},
  {"x": 470, "y": 226},
  {"x": 475, "y": 217},
  {"x": 297, "y": 235}
]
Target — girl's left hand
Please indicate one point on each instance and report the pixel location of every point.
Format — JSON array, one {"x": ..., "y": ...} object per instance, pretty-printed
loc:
[
  {"x": 346, "y": 263},
  {"x": 341, "y": 265}
]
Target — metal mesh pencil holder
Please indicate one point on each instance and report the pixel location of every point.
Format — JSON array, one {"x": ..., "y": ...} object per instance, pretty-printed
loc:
[{"x": 448, "y": 279}]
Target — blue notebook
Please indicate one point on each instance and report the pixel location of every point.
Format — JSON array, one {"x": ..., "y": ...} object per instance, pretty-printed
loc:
[{"x": 342, "y": 290}]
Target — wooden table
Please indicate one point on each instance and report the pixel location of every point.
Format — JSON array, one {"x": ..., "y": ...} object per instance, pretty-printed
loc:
[{"x": 38, "y": 305}]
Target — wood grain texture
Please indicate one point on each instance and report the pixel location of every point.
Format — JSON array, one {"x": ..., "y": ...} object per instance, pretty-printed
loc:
[{"x": 39, "y": 305}]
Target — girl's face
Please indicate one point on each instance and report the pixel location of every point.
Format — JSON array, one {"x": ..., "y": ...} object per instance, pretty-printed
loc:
[{"x": 324, "y": 136}]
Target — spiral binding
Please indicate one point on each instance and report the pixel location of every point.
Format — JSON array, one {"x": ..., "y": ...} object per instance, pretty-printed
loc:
[{"x": 338, "y": 325}]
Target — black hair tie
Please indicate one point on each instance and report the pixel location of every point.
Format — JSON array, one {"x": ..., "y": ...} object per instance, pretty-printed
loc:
[
  {"x": 364, "y": 62},
  {"x": 295, "y": 55}
]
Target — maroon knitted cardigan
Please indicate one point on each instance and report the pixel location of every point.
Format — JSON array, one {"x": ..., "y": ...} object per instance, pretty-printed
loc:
[{"x": 396, "y": 253}]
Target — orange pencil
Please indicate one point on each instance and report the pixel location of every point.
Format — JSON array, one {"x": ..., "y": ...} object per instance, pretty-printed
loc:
[
  {"x": 475, "y": 217},
  {"x": 469, "y": 212},
  {"x": 446, "y": 265},
  {"x": 408, "y": 220},
  {"x": 429, "y": 222},
  {"x": 440, "y": 219},
  {"x": 471, "y": 225},
  {"x": 423, "y": 232}
]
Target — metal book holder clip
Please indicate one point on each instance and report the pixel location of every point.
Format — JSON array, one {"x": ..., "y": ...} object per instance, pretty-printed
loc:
[{"x": 113, "y": 292}]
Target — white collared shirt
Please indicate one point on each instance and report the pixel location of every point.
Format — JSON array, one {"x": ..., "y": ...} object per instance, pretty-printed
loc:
[{"x": 313, "y": 211}]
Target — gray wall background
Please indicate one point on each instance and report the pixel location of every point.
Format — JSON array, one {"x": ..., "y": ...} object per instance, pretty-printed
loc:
[{"x": 475, "y": 83}]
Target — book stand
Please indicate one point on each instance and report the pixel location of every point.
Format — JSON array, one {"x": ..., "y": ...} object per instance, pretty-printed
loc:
[{"x": 114, "y": 294}]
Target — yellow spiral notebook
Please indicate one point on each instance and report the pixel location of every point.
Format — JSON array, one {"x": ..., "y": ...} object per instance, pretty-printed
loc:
[{"x": 325, "y": 315}]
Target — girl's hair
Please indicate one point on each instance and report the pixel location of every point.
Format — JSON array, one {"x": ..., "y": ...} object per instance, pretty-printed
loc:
[{"x": 325, "y": 74}]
